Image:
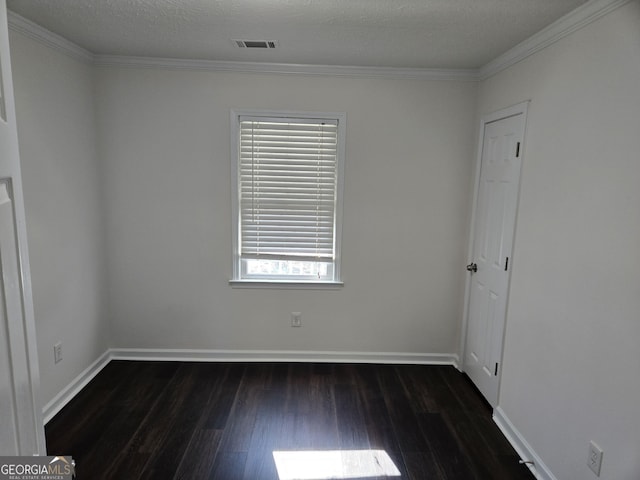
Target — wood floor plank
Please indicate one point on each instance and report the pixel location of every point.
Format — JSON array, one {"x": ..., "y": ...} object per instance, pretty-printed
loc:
[
  {"x": 260, "y": 464},
  {"x": 299, "y": 392},
  {"x": 229, "y": 466},
  {"x": 200, "y": 455},
  {"x": 321, "y": 421},
  {"x": 239, "y": 427},
  {"x": 89, "y": 405},
  {"x": 148, "y": 440},
  {"x": 425, "y": 387},
  {"x": 223, "y": 396},
  {"x": 352, "y": 427},
  {"x": 376, "y": 416},
  {"x": 223, "y": 421},
  {"x": 114, "y": 438},
  {"x": 403, "y": 418},
  {"x": 446, "y": 452},
  {"x": 421, "y": 466}
]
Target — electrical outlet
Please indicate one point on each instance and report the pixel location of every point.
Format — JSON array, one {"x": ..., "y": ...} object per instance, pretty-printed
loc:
[
  {"x": 595, "y": 458},
  {"x": 296, "y": 319},
  {"x": 57, "y": 352}
]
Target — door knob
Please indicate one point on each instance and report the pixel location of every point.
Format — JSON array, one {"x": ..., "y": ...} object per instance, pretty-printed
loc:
[{"x": 472, "y": 267}]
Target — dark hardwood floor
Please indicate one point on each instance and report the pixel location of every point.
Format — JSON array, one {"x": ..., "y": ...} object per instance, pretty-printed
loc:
[{"x": 169, "y": 420}]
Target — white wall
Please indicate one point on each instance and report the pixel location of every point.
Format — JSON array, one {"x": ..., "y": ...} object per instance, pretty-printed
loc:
[
  {"x": 572, "y": 363},
  {"x": 56, "y": 130},
  {"x": 165, "y": 146}
]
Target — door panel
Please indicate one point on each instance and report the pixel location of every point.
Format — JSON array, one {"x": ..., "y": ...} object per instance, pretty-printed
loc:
[
  {"x": 8, "y": 426},
  {"x": 21, "y": 428},
  {"x": 14, "y": 359},
  {"x": 492, "y": 244}
]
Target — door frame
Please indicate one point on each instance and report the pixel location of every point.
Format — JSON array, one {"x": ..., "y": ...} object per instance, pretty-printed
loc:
[{"x": 513, "y": 110}]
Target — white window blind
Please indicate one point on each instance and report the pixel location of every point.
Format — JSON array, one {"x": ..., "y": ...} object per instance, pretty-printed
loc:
[{"x": 287, "y": 174}]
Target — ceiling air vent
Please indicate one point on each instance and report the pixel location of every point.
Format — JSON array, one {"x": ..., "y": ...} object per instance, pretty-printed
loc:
[{"x": 267, "y": 44}]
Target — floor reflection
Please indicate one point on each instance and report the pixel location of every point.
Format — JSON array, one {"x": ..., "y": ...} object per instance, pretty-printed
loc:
[{"x": 334, "y": 464}]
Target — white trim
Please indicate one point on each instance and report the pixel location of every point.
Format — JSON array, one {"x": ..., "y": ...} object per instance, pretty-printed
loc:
[
  {"x": 72, "y": 389},
  {"x": 572, "y": 21},
  {"x": 520, "y": 108},
  {"x": 521, "y": 446},
  {"x": 191, "y": 355},
  {"x": 511, "y": 111},
  {"x": 52, "y": 40},
  {"x": 468, "y": 75},
  {"x": 281, "y": 285}
]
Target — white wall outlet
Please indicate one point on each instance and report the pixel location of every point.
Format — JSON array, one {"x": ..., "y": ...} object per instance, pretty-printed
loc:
[
  {"x": 57, "y": 352},
  {"x": 595, "y": 458},
  {"x": 296, "y": 319}
]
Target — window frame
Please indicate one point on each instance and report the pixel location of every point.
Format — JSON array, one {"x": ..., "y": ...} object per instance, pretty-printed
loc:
[{"x": 286, "y": 281}]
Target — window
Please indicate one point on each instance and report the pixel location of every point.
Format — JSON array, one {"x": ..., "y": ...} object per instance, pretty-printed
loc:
[{"x": 288, "y": 170}]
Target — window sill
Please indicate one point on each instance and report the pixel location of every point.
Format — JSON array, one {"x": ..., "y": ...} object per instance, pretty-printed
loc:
[{"x": 286, "y": 285}]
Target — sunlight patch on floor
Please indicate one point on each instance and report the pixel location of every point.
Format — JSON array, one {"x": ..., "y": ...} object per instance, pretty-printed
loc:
[{"x": 333, "y": 464}]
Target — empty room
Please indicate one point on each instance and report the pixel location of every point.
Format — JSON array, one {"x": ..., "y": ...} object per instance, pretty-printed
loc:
[{"x": 294, "y": 239}]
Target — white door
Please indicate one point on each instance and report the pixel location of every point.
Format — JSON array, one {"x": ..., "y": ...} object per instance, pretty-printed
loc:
[
  {"x": 493, "y": 231},
  {"x": 21, "y": 428}
]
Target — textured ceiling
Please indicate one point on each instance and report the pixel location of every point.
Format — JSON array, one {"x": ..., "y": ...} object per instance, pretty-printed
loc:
[{"x": 388, "y": 33}]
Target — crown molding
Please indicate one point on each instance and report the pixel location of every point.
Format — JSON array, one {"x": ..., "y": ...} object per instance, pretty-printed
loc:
[
  {"x": 42, "y": 35},
  {"x": 574, "y": 20},
  {"x": 287, "y": 68},
  {"x": 52, "y": 40}
]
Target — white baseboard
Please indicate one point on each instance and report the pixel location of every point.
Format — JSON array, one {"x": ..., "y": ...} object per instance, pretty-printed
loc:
[
  {"x": 66, "y": 395},
  {"x": 188, "y": 355},
  {"x": 521, "y": 446}
]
